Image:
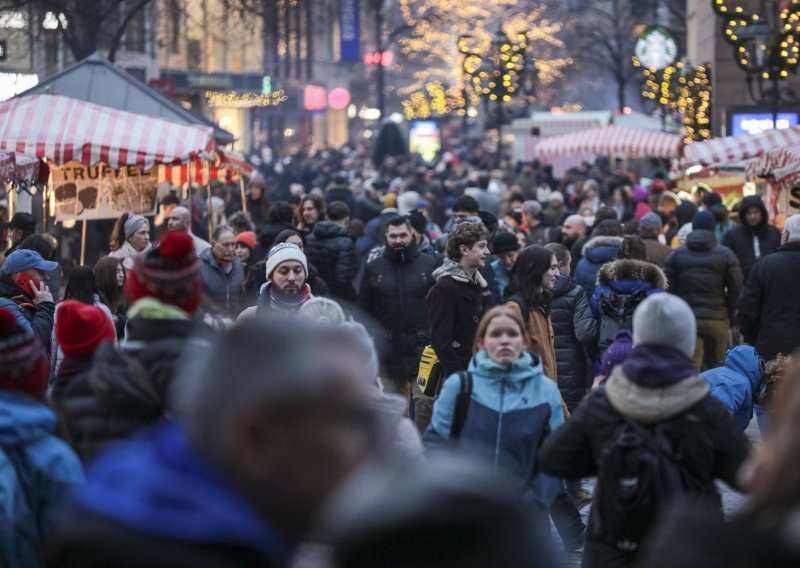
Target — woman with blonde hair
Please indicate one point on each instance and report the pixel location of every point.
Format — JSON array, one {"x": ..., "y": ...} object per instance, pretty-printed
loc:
[{"x": 502, "y": 408}]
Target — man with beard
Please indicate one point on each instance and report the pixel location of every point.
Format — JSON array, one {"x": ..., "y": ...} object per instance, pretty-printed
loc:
[
  {"x": 393, "y": 292},
  {"x": 286, "y": 289}
]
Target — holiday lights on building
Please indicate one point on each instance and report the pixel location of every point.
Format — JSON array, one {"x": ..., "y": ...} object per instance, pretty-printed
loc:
[{"x": 233, "y": 99}]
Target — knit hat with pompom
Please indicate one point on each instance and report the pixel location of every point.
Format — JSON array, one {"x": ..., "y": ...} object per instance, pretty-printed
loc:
[
  {"x": 169, "y": 272},
  {"x": 23, "y": 363}
]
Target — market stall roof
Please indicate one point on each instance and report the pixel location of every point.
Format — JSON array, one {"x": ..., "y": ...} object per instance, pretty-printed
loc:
[
  {"x": 737, "y": 148},
  {"x": 781, "y": 163},
  {"x": 629, "y": 142},
  {"x": 64, "y": 129},
  {"x": 225, "y": 166},
  {"x": 97, "y": 80},
  {"x": 14, "y": 166},
  {"x": 556, "y": 124}
]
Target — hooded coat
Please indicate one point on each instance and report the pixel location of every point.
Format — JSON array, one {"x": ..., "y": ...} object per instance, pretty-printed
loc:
[
  {"x": 456, "y": 304},
  {"x": 735, "y": 384},
  {"x": 513, "y": 408},
  {"x": 627, "y": 276},
  {"x": 768, "y": 309},
  {"x": 36, "y": 471},
  {"x": 596, "y": 252},
  {"x": 394, "y": 292},
  {"x": 332, "y": 250},
  {"x": 223, "y": 289},
  {"x": 575, "y": 330},
  {"x": 654, "y": 386},
  {"x": 152, "y": 501},
  {"x": 742, "y": 239},
  {"x": 706, "y": 275}
]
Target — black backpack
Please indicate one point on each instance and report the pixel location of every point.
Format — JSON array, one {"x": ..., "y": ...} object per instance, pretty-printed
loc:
[
  {"x": 638, "y": 473},
  {"x": 616, "y": 313}
]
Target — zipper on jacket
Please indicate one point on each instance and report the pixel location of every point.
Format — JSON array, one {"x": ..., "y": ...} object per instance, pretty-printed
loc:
[{"x": 499, "y": 424}]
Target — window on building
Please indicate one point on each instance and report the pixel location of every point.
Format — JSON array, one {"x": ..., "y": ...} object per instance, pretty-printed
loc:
[
  {"x": 135, "y": 32},
  {"x": 137, "y": 72},
  {"x": 194, "y": 55},
  {"x": 174, "y": 15}
]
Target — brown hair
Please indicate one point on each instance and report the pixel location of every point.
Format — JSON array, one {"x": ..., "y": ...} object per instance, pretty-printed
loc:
[
  {"x": 117, "y": 238},
  {"x": 466, "y": 234},
  {"x": 105, "y": 276},
  {"x": 319, "y": 205},
  {"x": 776, "y": 481},
  {"x": 496, "y": 312}
]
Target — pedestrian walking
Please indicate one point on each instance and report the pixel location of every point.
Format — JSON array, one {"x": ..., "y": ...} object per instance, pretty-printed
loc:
[
  {"x": 130, "y": 236},
  {"x": 333, "y": 252},
  {"x": 222, "y": 274},
  {"x": 754, "y": 238}
]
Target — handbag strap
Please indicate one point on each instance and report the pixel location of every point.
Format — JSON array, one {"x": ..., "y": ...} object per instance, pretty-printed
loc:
[{"x": 462, "y": 404}]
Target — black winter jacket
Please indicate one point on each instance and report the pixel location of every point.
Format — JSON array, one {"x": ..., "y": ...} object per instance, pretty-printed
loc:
[
  {"x": 575, "y": 330},
  {"x": 333, "y": 251},
  {"x": 222, "y": 289},
  {"x": 698, "y": 425},
  {"x": 741, "y": 239},
  {"x": 102, "y": 400},
  {"x": 455, "y": 307},
  {"x": 769, "y": 313},
  {"x": 393, "y": 292},
  {"x": 706, "y": 275}
]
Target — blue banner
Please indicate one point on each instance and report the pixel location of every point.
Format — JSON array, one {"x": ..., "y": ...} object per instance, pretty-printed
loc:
[{"x": 349, "y": 30}]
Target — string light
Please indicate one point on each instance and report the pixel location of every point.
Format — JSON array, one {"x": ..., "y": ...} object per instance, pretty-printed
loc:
[{"x": 232, "y": 99}]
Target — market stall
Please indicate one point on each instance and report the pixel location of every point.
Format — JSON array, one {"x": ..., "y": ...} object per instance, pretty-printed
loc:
[
  {"x": 733, "y": 149},
  {"x": 611, "y": 140}
]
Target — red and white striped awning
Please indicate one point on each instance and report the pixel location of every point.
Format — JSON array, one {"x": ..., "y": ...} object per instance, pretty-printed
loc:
[
  {"x": 223, "y": 166},
  {"x": 629, "y": 142},
  {"x": 17, "y": 167},
  {"x": 63, "y": 129},
  {"x": 733, "y": 149},
  {"x": 774, "y": 161}
]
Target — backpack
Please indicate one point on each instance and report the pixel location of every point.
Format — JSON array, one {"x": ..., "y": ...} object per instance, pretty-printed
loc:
[
  {"x": 616, "y": 313},
  {"x": 638, "y": 472}
]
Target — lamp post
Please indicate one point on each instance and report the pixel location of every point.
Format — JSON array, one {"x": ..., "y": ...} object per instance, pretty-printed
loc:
[
  {"x": 504, "y": 73},
  {"x": 766, "y": 47}
]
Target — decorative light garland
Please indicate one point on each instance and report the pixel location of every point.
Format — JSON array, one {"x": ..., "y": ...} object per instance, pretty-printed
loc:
[{"x": 232, "y": 99}]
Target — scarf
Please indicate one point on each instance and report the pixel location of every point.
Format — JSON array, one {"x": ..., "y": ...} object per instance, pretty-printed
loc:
[
  {"x": 656, "y": 366},
  {"x": 270, "y": 299},
  {"x": 457, "y": 272},
  {"x": 150, "y": 307}
]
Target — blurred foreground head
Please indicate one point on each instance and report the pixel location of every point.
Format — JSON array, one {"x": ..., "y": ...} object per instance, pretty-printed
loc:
[
  {"x": 282, "y": 407},
  {"x": 444, "y": 513}
]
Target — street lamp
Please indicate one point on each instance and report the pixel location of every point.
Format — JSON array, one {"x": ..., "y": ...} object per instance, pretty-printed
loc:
[
  {"x": 504, "y": 73},
  {"x": 766, "y": 47}
]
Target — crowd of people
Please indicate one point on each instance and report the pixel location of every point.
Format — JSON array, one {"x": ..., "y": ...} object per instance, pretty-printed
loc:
[{"x": 290, "y": 382}]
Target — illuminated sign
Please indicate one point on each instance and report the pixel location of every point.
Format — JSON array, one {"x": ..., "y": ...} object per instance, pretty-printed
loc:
[
  {"x": 424, "y": 138},
  {"x": 314, "y": 97},
  {"x": 656, "y": 48},
  {"x": 384, "y": 58},
  {"x": 339, "y": 98},
  {"x": 749, "y": 123}
]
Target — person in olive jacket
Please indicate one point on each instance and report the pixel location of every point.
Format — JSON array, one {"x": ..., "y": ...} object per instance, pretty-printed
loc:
[
  {"x": 708, "y": 277},
  {"x": 393, "y": 293},
  {"x": 657, "y": 386}
]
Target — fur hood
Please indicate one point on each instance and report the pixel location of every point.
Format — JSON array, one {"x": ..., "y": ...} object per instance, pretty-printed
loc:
[
  {"x": 632, "y": 270},
  {"x": 601, "y": 242}
]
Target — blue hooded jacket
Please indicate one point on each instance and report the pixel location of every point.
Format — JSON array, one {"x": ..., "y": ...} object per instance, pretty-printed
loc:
[
  {"x": 513, "y": 409},
  {"x": 735, "y": 384},
  {"x": 154, "y": 483},
  {"x": 36, "y": 471},
  {"x": 596, "y": 253}
]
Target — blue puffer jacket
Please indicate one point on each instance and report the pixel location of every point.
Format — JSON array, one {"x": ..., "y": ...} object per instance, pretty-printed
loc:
[
  {"x": 627, "y": 277},
  {"x": 514, "y": 408},
  {"x": 735, "y": 384},
  {"x": 596, "y": 253},
  {"x": 36, "y": 470}
]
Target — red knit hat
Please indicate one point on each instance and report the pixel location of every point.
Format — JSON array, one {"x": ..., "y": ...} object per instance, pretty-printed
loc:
[
  {"x": 247, "y": 238},
  {"x": 169, "y": 272},
  {"x": 80, "y": 328},
  {"x": 23, "y": 363}
]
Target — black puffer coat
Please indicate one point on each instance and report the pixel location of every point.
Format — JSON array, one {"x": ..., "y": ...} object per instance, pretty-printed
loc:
[
  {"x": 393, "y": 292},
  {"x": 706, "y": 275},
  {"x": 333, "y": 251},
  {"x": 741, "y": 239},
  {"x": 103, "y": 400},
  {"x": 768, "y": 309},
  {"x": 575, "y": 330}
]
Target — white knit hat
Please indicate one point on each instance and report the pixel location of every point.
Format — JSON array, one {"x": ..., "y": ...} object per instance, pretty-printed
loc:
[
  {"x": 283, "y": 252},
  {"x": 665, "y": 319}
]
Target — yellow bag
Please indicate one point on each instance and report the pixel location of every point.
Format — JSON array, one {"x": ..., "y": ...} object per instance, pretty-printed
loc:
[{"x": 430, "y": 375}]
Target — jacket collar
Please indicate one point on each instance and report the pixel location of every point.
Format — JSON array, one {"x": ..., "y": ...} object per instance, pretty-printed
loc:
[
  {"x": 652, "y": 405},
  {"x": 455, "y": 271}
]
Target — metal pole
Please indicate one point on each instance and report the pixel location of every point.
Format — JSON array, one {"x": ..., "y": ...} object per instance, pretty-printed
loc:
[
  {"x": 83, "y": 242},
  {"x": 379, "y": 43}
]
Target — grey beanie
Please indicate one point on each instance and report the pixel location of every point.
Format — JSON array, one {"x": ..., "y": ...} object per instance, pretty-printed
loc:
[
  {"x": 665, "y": 319},
  {"x": 650, "y": 222}
]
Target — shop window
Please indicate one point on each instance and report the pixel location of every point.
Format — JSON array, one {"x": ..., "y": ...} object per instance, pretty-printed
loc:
[
  {"x": 135, "y": 33},
  {"x": 194, "y": 55}
]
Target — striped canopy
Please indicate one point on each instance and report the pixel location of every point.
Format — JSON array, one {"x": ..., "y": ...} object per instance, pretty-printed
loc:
[
  {"x": 18, "y": 167},
  {"x": 733, "y": 149},
  {"x": 780, "y": 163},
  {"x": 224, "y": 166},
  {"x": 630, "y": 142},
  {"x": 62, "y": 129}
]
